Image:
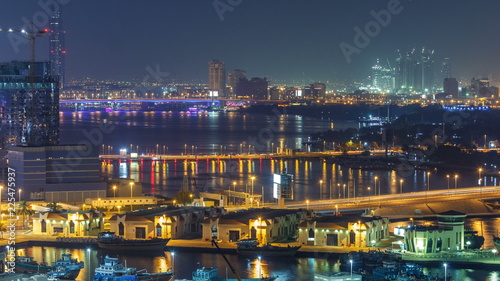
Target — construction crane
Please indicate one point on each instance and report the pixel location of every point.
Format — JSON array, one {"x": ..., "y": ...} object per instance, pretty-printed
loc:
[
  {"x": 33, "y": 124},
  {"x": 31, "y": 35}
]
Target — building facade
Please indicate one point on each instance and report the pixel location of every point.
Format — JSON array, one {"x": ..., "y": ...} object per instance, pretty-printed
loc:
[
  {"x": 29, "y": 104},
  {"x": 55, "y": 168},
  {"x": 217, "y": 77},
  {"x": 68, "y": 224},
  {"x": 161, "y": 222},
  {"x": 266, "y": 225},
  {"x": 343, "y": 231},
  {"x": 57, "y": 51},
  {"x": 447, "y": 235},
  {"x": 450, "y": 86},
  {"x": 255, "y": 88},
  {"x": 233, "y": 78}
]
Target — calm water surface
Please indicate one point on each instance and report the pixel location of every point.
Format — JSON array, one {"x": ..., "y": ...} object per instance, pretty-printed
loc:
[
  {"x": 187, "y": 262},
  {"x": 211, "y": 133}
]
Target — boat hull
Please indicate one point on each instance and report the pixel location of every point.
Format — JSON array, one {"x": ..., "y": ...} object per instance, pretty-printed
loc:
[
  {"x": 31, "y": 268},
  {"x": 161, "y": 276},
  {"x": 68, "y": 275},
  {"x": 268, "y": 252},
  {"x": 134, "y": 246}
]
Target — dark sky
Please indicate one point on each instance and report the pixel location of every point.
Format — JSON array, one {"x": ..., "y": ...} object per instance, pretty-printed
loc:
[{"x": 280, "y": 39}]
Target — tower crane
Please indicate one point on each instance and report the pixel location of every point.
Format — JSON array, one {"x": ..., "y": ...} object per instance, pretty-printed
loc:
[
  {"x": 31, "y": 35},
  {"x": 32, "y": 120}
]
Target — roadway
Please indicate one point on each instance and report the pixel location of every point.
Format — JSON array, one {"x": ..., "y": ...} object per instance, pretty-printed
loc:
[
  {"x": 319, "y": 154},
  {"x": 395, "y": 200}
]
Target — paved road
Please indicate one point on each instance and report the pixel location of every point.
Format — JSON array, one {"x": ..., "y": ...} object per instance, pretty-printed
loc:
[{"x": 394, "y": 200}]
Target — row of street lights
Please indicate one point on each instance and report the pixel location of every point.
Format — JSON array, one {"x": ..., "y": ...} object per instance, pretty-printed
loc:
[{"x": 377, "y": 188}]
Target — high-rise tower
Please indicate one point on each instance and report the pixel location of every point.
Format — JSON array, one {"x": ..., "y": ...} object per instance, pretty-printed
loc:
[
  {"x": 57, "y": 48},
  {"x": 217, "y": 76},
  {"x": 29, "y": 109}
]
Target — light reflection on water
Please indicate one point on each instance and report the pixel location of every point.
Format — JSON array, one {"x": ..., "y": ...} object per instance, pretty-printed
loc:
[
  {"x": 313, "y": 179},
  {"x": 187, "y": 262}
]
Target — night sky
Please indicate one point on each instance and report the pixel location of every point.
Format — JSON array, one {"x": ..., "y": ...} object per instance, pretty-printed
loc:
[{"x": 284, "y": 40}]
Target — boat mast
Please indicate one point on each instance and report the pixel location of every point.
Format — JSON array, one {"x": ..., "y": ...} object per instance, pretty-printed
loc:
[{"x": 227, "y": 261}]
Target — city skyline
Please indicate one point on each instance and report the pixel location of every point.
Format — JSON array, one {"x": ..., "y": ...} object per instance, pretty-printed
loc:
[{"x": 301, "y": 42}]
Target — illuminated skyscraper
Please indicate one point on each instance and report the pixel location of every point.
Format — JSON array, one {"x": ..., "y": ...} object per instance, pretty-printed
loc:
[
  {"x": 57, "y": 48},
  {"x": 217, "y": 77},
  {"x": 382, "y": 78},
  {"x": 415, "y": 72}
]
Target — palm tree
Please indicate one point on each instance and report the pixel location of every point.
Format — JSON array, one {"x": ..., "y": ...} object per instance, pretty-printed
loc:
[
  {"x": 54, "y": 207},
  {"x": 24, "y": 210}
]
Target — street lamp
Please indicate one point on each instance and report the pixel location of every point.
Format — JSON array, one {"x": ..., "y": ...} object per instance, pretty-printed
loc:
[
  {"x": 20, "y": 190},
  {"x": 428, "y": 181},
  {"x": 131, "y": 206},
  {"x": 88, "y": 272},
  {"x": 251, "y": 201},
  {"x": 401, "y": 186},
  {"x": 376, "y": 178},
  {"x": 448, "y": 178},
  {"x": 369, "y": 195},
  {"x": 479, "y": 171},
  {"x": 114, "y": 191},
  {"x": 307, "y": 204},
  {"x": 456, "y": 179},
  {"x": 234, "y": 189},
  {"x": 336, "y": 210},
  {"x": 320, "y": 188},
  {"x": 445, "y": 267}
]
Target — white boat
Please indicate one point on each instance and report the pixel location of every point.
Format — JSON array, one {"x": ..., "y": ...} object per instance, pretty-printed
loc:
[{"x": 112, "y": 270}]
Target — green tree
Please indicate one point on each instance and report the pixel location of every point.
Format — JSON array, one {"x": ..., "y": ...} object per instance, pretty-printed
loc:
[
  {"x": 24, "y": 210},
  {"x": 54, "y": 207},
  {"x": 183, "y": 197}
]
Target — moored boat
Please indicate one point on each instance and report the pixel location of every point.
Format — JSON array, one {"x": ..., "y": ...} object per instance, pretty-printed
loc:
[
  {"x": 25, "y": 264},
  {"x": 112, "y": 270},
  {"x": 65, "y": 268},
  {"x": 251, "y": 247},
  {"x": 110, "y": 241}
]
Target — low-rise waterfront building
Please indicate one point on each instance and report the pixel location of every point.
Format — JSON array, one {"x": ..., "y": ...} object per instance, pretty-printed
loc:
[
  {"x": 165, "y": 222},
  {"x": 447, "y": 235},
  {"x": 68, "y": 223},
  {"x": 117, "y": 203},
  {"x": 350, "y": 230},
  {"x": 266, "y": 225}
]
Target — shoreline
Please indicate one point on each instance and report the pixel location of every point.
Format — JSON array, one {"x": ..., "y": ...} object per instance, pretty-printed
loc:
[{"x": 465, "y": 259}]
